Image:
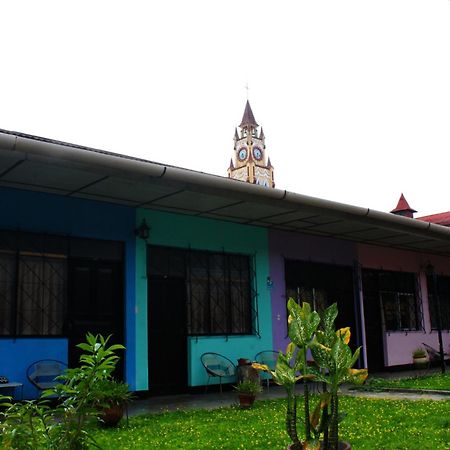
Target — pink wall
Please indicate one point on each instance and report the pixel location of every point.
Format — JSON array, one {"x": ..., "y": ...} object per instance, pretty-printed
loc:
[{"x": 399, "y": 345}]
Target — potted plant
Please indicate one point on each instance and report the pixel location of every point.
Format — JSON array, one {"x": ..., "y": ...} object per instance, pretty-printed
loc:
[
  {"x": 333, "y": 366},
  {"x": 420, "y": 358},
  {"x": 247, "y": 390},
  {"x": 111, "y": 397}
]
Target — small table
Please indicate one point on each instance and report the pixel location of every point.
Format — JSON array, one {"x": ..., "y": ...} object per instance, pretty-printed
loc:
[{"x": 13, "y": 386}]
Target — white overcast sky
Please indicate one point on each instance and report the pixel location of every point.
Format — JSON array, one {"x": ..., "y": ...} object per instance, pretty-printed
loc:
[{"x": 353, "y": 95}]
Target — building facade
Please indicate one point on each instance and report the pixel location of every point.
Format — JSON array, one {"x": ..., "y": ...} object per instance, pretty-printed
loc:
[{"x": 220, "y": 260}]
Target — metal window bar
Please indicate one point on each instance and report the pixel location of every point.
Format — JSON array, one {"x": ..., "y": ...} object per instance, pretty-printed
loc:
[
  {"x": 443, "y": 283},
  {"x": 43, "y": 278},
  {"x": 254, "y": 295},
  {"x": 357, "y": 290},
  {"x": 419, "y": 301},
  {"x": 223, "y": 315}
]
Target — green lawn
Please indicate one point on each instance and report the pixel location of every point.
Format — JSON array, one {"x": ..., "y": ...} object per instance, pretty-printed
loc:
[
  {"x": 370, "y": 424},
  {"x": 436, "y": 381}
]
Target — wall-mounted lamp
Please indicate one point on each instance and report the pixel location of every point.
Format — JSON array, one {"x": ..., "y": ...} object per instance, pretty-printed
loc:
[
  {"x": 269, "y": 282},
  {"x": 429, "y": 269},
  {"x": 142, "y": 231}
]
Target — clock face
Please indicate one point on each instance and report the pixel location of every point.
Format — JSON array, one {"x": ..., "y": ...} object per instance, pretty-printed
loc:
[
  {"x": 242, "y": 154},
  {"x": 257, "y": 153}
]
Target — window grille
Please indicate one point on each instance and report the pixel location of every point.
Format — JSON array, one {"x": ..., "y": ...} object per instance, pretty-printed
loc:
[
  {"x": 221, "y": 298},
  {"x": 41, "y": 300},
  {"x": 34, "y": 279},
  {"x": 443, "y": 286},
  {"x": 319, "y": 284},
  {"x": 399, "y": 298},
  {"x": 32, "y": 286}
]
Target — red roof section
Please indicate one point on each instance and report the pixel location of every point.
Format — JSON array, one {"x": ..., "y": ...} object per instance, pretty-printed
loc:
[
  {"x": 403, "y": 205},
  {"x": 439, "y": 219}
]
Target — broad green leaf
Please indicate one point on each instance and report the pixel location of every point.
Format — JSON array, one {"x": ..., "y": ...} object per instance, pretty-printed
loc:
[
  {"x": 304, "y": 323},
  {"x": 328, "y": 318}
]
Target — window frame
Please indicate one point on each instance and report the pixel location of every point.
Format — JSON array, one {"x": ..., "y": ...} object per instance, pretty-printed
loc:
[
  {"x": 221, "y": 283},
  {"x": 444, "y": 299},
  {"x": 47, "y": 248}
]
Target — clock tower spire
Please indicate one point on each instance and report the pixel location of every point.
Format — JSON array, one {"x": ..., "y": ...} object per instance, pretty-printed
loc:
[{"x": 250, "y": 162}]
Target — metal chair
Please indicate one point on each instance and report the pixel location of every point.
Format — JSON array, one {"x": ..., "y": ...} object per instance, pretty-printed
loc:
[
  {"x": 42, "y": 374},
  {"x": 434, "y": 355},
  {"x": 217, "y": 365},
  {"x": 269, "y": 358}
]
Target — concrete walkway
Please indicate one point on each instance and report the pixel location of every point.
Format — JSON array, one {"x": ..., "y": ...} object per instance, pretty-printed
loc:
[{"x": 212, "y": 400}]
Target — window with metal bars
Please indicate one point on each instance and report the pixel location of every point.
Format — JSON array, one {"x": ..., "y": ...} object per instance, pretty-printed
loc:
[
  {"x": 443, "y": 288},
  {"x": 34, "y": 279},
  {"x": 320, "y": 285},
  {"x": 33, "y": 290},
  {"x": 399, "y": 298},
  {"x": 221, "y": 299}
]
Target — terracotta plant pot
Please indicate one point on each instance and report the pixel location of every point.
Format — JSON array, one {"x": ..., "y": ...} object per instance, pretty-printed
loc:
[
  {"x": 246, "y": 400},
  {"x": 421, "y": 362},
  {"x": 243, "y": 362},
  {"x": 111, "y": 416}
]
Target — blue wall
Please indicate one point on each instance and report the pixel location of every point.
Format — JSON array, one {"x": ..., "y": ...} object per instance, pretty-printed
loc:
[
  {"x": 52, "y": 214},
  {"x": 17, "y": 354}
]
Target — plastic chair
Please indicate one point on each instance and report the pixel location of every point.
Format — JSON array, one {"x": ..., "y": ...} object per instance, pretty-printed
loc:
[
  {"x": 217, "y": 365},
  {"x": 42, "y": 374},
  {"x": 269, "y": 358}
]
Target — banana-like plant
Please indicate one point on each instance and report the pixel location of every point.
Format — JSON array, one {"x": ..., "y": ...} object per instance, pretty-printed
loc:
[
  {"x": 333, "y": 360},
  {"x": 292, "y": 366}
]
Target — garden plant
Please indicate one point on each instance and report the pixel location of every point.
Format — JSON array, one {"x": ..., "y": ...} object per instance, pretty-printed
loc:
[
  {"x": 36, "y": 425},
  {"x": 333, "y": 362}
]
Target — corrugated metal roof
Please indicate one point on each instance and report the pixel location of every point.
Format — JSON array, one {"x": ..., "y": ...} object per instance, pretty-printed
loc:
[
  {"x": 45, "y": 165},
  {"x": 440, "y": 218}
]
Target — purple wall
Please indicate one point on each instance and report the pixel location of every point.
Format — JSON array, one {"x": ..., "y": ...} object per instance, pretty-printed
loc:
[
  {"x": 398, "y": 346},
  {"x": 285, "y": 245}
]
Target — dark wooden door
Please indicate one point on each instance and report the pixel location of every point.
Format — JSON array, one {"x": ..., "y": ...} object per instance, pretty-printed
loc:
[
  {"x": 167, "y": 341},
  {"x": 374, "y": 332},
  {"x": 95, "y": 304}
]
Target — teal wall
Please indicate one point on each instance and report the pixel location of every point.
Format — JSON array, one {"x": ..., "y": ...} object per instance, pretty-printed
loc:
[{"x": 183, "y": 231}]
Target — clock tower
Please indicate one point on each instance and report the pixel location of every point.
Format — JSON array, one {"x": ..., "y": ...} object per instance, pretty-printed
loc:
[{"x": 250, "y": 162}]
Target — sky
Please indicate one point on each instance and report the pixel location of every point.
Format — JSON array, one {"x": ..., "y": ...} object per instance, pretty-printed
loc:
[{"x": 353, "y": 95}]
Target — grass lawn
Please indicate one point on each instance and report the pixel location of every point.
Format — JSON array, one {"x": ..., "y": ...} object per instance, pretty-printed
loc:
[
  {"x": 436, "y": 381},
  {"x": 370, "y": 424}
]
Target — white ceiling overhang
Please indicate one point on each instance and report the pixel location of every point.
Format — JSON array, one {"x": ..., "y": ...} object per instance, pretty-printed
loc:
[{"x": 38, "y": 164}]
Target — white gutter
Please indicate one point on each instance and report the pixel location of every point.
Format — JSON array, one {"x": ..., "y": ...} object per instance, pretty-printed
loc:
[{"x": 87, "y": 159}]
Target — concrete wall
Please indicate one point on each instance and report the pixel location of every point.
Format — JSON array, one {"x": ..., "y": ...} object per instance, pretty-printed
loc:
[
  {"x": 203, "y": 234},
  {"x": 285, "y": 245},
  {"x": 399, "y": 345},
  {"x": 52, "y": 214}
]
